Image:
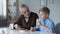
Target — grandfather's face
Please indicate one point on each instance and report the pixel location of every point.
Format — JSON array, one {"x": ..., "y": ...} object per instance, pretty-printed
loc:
[{"x": 24, "y": 11}]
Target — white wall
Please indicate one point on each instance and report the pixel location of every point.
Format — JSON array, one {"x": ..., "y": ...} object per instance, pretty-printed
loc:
[
  {"x": 23, "y": 2},
  {"x": 34, "y": 5},
  {"x": 55, "y": 10},
  {"x": 1, "y": 3}
]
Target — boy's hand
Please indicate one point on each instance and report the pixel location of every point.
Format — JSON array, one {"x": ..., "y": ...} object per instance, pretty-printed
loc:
[{"x": 38, "y": 23}]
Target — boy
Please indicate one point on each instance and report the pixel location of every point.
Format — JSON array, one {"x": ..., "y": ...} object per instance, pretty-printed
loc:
[{"x": 44, "y": 23}]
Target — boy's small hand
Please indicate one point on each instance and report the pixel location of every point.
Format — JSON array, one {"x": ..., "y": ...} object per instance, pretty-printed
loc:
[{"x": 38, "y": 23}]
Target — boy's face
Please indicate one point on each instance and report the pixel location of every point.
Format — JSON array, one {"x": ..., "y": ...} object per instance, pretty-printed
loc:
[{"x": 43, "y": 15}]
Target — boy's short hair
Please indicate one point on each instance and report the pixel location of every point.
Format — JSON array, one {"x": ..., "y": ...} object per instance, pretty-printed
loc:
[{"x": 45, "y": 10}]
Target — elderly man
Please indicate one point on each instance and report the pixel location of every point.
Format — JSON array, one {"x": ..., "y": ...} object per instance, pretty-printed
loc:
[{"x": 27, "y": 20}]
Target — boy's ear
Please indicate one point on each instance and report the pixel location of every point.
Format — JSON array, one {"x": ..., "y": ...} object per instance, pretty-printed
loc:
[{"x": 47, "y": 15}]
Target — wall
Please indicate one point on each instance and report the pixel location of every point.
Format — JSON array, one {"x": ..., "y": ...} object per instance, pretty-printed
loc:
[
  {"x": 55, "y": 10},
  {"x": 1, "y": 7}
]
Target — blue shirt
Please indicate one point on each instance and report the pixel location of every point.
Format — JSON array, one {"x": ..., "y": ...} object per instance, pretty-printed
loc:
[{"x": 47, "y": 22}]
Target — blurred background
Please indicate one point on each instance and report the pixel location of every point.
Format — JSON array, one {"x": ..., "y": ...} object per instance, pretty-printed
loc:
[{"x": 9, "y": 10}]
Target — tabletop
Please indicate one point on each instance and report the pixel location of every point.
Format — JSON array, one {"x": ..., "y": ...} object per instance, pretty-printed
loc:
[{"x": 8, "y": 31}]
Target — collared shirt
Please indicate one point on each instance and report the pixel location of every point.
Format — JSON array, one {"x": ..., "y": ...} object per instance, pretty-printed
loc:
[{"x": 47, "y": 22}]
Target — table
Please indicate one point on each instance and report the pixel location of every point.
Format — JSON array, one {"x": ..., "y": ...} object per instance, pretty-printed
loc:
[{"x": 8, "y": 31}]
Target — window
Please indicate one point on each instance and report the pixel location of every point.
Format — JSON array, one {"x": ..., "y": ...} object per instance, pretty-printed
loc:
[{"x": 3, "y": 8}]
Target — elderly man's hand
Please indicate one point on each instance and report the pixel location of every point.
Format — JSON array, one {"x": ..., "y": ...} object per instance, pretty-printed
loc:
[
  {"x": 17, "y": 26},
  {"x": 11, "y": 26},
  {"x": 32, "y": 29}
]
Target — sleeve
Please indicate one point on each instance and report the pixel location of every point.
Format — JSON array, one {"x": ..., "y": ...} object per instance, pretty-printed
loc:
[
  {"x": 36, "y": 16},
  {"x": 33, "y": 24},
  {"x": 19, "y": 22},
  {"x": 37, "y": 28},
  {"x": 50, "y": 25}
]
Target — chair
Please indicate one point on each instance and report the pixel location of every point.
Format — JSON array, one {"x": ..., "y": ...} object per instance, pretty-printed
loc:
[
  {"x": 57, "y": 28},
  {"x": 3, "y": 21}
]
